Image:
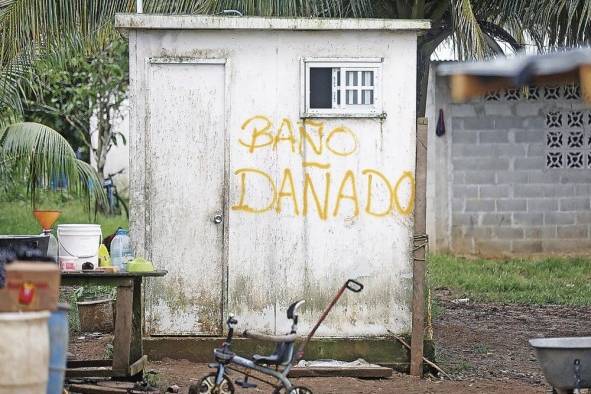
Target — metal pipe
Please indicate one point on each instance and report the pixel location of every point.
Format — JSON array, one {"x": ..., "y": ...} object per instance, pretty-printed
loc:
[
  {"x": 350, "y": 284},
  {"x": 300, "y": 352}
]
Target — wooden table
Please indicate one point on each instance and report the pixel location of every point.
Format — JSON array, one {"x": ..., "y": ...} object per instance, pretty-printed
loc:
[{"x": 128, "y": 353}]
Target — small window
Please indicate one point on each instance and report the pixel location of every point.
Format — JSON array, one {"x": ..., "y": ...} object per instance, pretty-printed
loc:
[{"x": 337, "y": 87}]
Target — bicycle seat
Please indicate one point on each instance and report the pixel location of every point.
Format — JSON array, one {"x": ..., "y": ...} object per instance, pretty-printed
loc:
[
  {"x": 272, "y": 359},
  {"x": 283, "y": 352},
  {"x": 270, "y": 338},
  {"x": 223, "y": 355}
]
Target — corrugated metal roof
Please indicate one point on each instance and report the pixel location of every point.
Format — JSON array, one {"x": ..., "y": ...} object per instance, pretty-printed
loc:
[
  {"x": 522, "y": 66},
  {"x": 477, "y": 78}
]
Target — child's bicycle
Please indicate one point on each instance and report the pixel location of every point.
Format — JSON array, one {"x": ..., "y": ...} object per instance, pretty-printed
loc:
[{"x": 277, "y": 365}]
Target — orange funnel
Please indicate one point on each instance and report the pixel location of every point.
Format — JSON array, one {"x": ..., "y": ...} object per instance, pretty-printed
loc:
[{"x": 46, "y": 219}]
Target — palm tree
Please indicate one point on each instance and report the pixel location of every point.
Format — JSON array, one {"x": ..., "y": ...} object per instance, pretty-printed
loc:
[
  {"x": 30, "y": 29},
  {"x": 41, "y": 156}
]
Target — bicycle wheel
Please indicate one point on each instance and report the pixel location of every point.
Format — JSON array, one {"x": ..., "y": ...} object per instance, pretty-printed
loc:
[
  {"x": 207, "y": 385},
  {"x": 300, "y": 390},
  {"x": 122, "y": 203},
  {"x": 294, "y": 390}
]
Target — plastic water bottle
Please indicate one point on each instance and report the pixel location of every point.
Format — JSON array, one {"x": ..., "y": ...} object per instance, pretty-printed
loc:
[
  {"x": 121, "y": 251},
  {"x": 52, "y": 247}
]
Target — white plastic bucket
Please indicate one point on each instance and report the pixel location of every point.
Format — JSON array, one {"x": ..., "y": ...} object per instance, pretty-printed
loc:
[
  {"x": 24, "y": 352},
  {"x": 80, "y": 241}
]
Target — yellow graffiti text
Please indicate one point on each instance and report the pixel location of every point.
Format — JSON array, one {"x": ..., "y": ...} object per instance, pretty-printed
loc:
[
  {"x": 258, "y": 193},
  {"x": 260, "y": 134}
]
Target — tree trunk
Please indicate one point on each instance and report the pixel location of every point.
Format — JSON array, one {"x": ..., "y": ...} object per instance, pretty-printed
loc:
[{"x": 103, "y": 139}]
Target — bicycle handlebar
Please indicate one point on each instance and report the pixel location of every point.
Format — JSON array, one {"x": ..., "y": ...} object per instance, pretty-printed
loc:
[
  {"x": 354, "y": 286},
  {"x": 230, "y": 322},
  {"x": 116, "y": 173}
]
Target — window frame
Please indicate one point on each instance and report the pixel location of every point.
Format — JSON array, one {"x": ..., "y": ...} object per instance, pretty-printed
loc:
[{"x": 344, "y": 110}]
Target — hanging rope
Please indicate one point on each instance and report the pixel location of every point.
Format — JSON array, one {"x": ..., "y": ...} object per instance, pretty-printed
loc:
[{"x": 420, "y": 241}]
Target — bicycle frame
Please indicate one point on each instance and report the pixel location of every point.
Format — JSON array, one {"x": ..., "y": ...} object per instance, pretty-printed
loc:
[
  {"x": 225, "y": 358},
  {"x": 281, "y": 376}
]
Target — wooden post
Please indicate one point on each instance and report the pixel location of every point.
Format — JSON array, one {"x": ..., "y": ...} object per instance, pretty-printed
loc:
[
  {"x": 137, "y": 331},
  {"x": 418, "y": 271},
  {"x": 123, "y": 329}
]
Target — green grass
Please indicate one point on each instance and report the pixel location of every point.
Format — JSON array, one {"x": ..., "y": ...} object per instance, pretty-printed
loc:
[
  {"x": 16, "y": 217},
  {"x": 552, "y": 280}
]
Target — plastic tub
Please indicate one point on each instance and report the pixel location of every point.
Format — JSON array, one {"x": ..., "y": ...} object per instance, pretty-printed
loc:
[
  {"x": 80, "y": 241},
  {"x": 58, "y": 347},
  {"x": 24, "y": 352}
]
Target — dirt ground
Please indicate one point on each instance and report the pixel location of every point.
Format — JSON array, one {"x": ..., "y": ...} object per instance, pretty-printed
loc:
[{"x": 482, "y": 345}]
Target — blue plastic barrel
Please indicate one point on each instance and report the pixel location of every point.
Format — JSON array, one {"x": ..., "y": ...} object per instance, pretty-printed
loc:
[{"x": 58, "y": 347}]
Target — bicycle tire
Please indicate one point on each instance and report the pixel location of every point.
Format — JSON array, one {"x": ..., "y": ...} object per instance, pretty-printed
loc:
[
  {"x": 122, "y": 204},
  {"x": 207, "y": 385}
]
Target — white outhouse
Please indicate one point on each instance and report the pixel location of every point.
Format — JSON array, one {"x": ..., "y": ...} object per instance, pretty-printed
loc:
[{"x": 272, "y": 159}]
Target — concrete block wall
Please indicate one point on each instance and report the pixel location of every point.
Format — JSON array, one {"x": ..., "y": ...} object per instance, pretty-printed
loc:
[{"x": 519, "y": 174}]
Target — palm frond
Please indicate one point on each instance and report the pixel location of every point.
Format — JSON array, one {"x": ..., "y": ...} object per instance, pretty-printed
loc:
[
  {"x": 306, "y": 8},
  {"x": 41, "y": 156},
  {"x": 552, "y": 23},
  {"x": 470, "y": 40}
]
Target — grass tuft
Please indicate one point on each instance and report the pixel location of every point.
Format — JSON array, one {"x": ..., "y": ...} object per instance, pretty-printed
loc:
[
  {"x": 551, "y": 280},
  {"x": 16, "y": 217}
]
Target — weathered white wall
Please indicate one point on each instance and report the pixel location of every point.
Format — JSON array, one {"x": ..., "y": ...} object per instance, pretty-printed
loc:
[{"x": 280, "y": 254}]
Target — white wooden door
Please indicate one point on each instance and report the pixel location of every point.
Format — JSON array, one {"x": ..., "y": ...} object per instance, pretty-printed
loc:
[{"x": 185, "y": 196}]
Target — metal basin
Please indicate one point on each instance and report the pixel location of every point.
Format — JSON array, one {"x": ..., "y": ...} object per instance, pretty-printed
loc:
[{"x": 557, "y": 357}]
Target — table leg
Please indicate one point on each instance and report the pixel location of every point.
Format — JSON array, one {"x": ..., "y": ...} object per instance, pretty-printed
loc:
[
  {"x": 123, "y": 330},
  {"x": 137, "y": 350}
]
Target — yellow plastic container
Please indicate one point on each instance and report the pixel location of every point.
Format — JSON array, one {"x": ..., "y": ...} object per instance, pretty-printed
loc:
[{"x": 104, "y": 257}]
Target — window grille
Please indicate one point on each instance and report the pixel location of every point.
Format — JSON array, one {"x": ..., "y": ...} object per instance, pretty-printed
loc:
[{"x": 342, "y": 87}]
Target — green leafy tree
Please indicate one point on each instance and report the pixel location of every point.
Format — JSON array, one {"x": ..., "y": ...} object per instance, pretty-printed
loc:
[
  {"x": 31, "y": 29},
  {"x": 81, "y": 87},
  {"x": 41, "y": 156}
]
